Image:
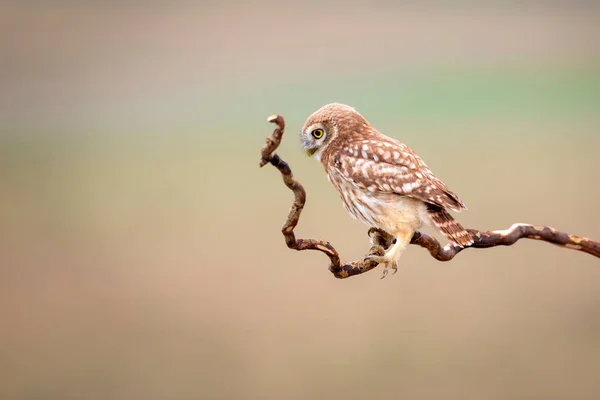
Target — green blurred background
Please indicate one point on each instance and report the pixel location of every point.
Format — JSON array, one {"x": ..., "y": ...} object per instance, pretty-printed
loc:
[{"x": 140, "y": 252}]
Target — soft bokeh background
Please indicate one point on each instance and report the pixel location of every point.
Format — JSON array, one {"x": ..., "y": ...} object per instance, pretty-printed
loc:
[{"x": 140, "y": 252}]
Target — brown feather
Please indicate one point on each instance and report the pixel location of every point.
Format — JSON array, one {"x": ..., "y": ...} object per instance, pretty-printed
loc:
[
  {"x": 450, "y": 227},
  {"x": 382, "y": 181}
]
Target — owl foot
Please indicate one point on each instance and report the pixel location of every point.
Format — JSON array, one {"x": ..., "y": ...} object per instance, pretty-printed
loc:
[
  {"x": 391, "y": 265},
  {"x": 387, "y": 261}
]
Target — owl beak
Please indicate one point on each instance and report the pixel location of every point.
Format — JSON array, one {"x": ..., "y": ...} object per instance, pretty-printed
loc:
[{"x": 310, "y": 152}]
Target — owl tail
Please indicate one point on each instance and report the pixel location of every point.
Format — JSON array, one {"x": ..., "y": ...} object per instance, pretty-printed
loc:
[{"x": 450, "y": 227}]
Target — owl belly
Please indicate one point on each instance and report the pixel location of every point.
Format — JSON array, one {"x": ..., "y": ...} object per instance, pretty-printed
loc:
[{"x": 391, "y": 212}]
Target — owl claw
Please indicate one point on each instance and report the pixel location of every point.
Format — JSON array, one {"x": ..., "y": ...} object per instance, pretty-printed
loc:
[
  {"x": 385, "y": 272},
  {"x": 389, "y": 264},
  {"x": 393, "y": 266}
]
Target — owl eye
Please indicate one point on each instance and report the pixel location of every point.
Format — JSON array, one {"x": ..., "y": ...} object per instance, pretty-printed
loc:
[{"x": 317, "y": 133}]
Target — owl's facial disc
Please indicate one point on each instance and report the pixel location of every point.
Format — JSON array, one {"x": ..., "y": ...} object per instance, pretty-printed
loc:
[{"x": 313, "y": 138}]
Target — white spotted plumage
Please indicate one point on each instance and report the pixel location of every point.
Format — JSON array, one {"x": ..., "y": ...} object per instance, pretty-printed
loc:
[{"x": 381, "y": 181}]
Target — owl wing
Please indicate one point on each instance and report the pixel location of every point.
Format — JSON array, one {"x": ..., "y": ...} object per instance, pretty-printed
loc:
[{"x": 388, "y": 166}]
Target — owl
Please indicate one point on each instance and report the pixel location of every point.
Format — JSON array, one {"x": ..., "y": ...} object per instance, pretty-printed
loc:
[{"x": 381, "y": 181}]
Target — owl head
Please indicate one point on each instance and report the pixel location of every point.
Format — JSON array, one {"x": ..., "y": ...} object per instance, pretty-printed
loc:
[{"x": 324, "y": 126}]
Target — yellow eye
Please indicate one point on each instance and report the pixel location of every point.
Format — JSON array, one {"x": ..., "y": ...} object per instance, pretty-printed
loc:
[{"x": 317, "y": 133}]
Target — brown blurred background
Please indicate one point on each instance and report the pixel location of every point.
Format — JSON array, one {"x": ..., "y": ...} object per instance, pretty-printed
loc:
[{"x": 140, "y": 252}]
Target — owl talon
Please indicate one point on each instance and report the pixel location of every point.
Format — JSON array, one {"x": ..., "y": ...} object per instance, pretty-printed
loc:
[
  {"x": 393, "y": 266},
  {"x": 389, "y": 264},
  {"x": 377, "y": 249},
  {"x": 385, "y": 272}
]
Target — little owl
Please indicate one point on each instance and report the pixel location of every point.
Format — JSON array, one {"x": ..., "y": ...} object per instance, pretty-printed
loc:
[{"x": 381, "y": 181}]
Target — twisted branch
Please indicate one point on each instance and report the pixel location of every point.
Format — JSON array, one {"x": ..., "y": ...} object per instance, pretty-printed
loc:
[{"x": 381, "y": 240}]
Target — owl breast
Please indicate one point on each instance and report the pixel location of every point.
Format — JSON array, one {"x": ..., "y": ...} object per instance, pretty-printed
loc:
[{"x": 388, "y": 211}]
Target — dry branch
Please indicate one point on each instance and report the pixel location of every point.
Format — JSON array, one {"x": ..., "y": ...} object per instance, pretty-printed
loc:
[{"x": 381, "y": 240}]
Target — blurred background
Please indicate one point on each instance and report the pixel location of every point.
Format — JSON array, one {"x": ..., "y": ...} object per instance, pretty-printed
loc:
[{"x": 140, "y": 251}]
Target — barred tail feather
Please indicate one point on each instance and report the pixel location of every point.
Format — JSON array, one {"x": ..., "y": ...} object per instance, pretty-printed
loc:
[{"x": 450, "y": 227}]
